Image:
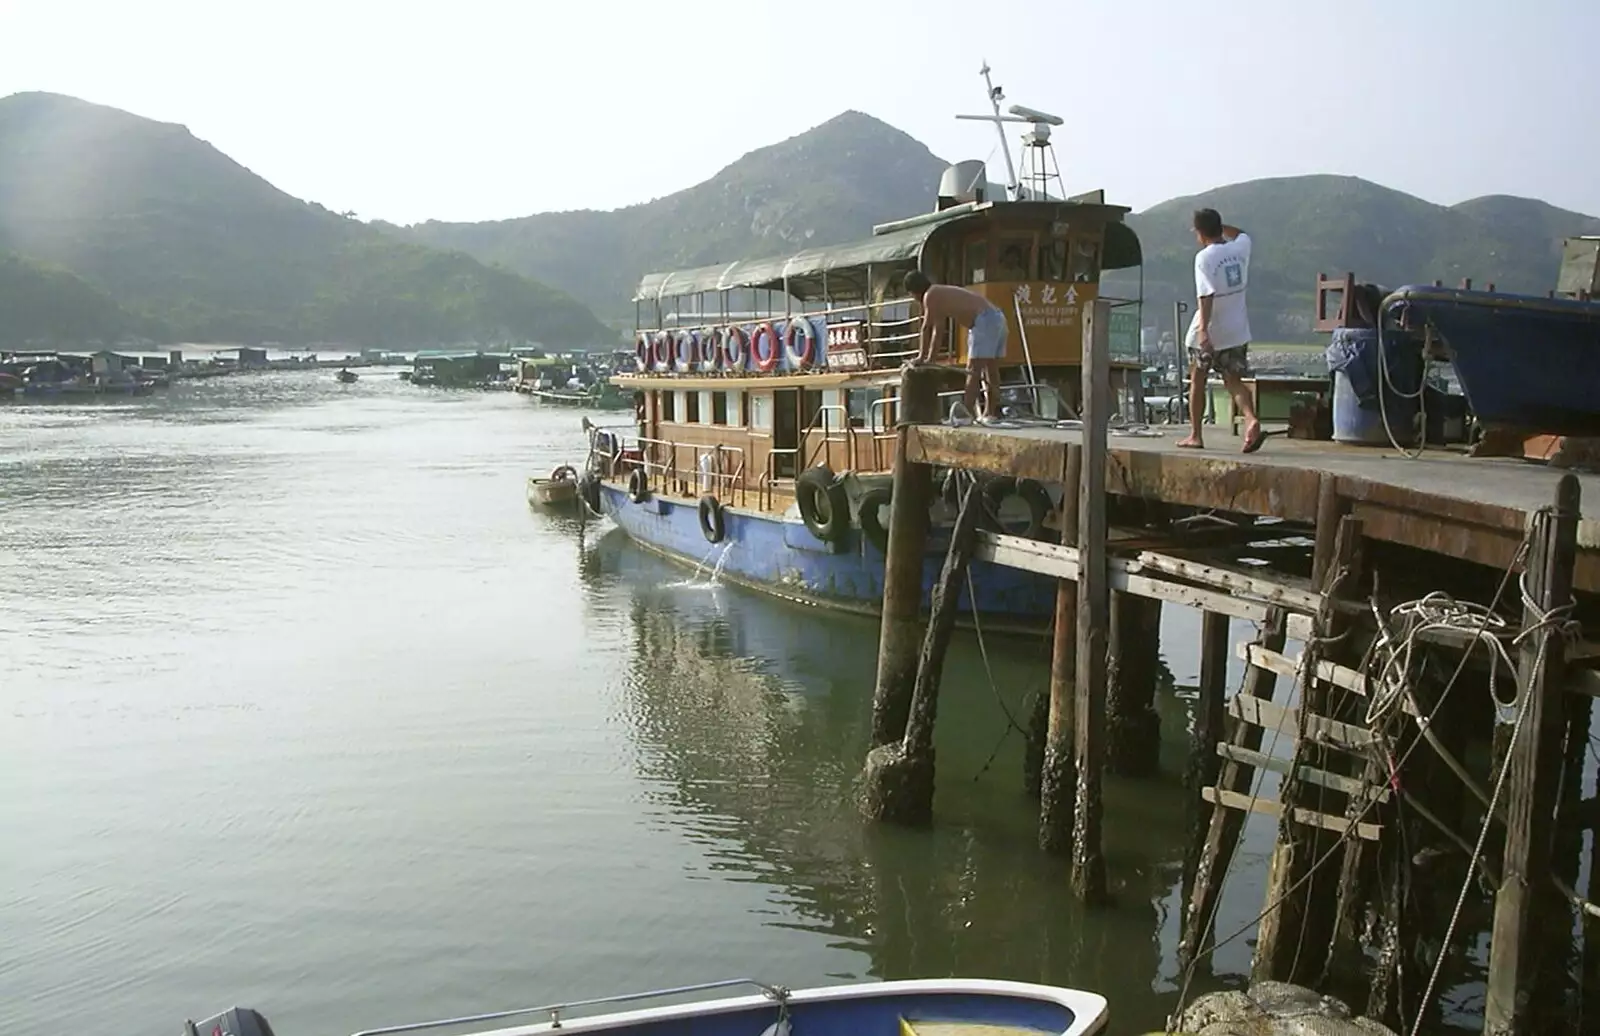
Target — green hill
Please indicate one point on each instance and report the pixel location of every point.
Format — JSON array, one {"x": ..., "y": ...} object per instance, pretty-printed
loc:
[
  {"x": 182, "y": 236},
  {"x": 833, "y": 182},
  {"x": 46, "y": 305},
  {"x": 1303, "y": 225},
  {"x": 824, "y": 186}
]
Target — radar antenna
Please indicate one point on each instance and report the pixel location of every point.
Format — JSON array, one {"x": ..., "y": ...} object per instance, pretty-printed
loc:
[{"x": 1039, "y": 164}]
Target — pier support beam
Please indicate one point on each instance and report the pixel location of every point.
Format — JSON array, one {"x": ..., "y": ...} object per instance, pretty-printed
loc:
[
  {"x": 1204, "y": 763},
  {"x": 898, "y": 782},
  {"x": 1059, "y": 776},
  {"x": 1094, "y": 607},
  {"x": 1527, "y": 900},
  {"x": 900, "y": 635},
  {"x": 1133, "y": 746},
  {"x": 1222, "y": 832}
]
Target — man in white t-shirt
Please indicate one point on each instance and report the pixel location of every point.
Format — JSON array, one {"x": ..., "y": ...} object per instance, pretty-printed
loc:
[{"x": 1219, "y": 335}]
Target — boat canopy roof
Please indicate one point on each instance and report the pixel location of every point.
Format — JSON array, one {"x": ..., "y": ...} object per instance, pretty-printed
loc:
[{"x": 842, "y": 268}]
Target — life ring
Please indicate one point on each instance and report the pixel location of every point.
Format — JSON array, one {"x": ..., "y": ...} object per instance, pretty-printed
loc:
[
  {"x": 734, "y": 344},
  {"x": 564, "y": 473},
  {"x": 638, "y": 486},
  {"x": 686, "y": 351},
  {"x": 713, "y": 525},
  {"x": 872, "y": 527},
  {"x": 807, "y": 355},
  {"x": 1030, "y": 492},
  {"x": 823, "y": 505},
  {"x": 641, "y": 352},
  {"x": 663, "y": 351},
  {"x": 589, "y": 492},
  {"x": 774, "y": 347},
  {"x": 710, "y": 349}
]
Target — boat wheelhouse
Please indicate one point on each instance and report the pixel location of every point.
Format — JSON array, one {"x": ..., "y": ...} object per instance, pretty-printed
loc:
[{"x": 765, "y": 389}]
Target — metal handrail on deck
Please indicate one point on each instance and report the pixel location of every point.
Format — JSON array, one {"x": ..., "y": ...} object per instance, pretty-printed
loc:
[{"x": 777, "y": 994}]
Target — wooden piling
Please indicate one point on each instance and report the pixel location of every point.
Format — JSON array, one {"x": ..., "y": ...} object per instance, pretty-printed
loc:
[
  {"x": 1133, "y": 729},
  {"x": 898, "y": 782},
  {"x": 1526, "y": 899},
  {"x": 1094, "y": 607},
  {"x": 1293, "y": 939},
  {"x": 1059, "y": 776},
  {"x": 1222, "y": 833},
  {"x": 1204, "y": 762},
  {"x": 900, "y": 630}
]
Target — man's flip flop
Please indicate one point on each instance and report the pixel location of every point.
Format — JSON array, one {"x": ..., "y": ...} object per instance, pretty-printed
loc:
[{"x": 1253, "y": 443}]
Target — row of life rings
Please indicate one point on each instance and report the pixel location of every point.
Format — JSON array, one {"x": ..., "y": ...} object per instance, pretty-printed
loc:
[{"x": 713, "y": 349}]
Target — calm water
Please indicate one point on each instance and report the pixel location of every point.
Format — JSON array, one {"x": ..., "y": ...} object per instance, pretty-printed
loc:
[{"x": 301, "y": 707}]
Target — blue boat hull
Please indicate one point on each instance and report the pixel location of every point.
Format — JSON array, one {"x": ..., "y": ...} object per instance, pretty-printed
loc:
[
  {"x": 781, "y": 557},
  {"x": 1523, "y": 361}
]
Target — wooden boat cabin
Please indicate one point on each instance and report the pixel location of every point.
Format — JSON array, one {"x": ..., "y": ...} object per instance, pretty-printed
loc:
[{"x": 748, "y": 373}]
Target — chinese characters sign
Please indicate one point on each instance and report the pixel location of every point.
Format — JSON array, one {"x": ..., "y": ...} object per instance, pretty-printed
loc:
[{"x": 1047, "y": 305}]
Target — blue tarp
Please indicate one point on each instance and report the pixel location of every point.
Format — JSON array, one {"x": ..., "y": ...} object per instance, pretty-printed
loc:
[{"x": 1354, "y": 350}]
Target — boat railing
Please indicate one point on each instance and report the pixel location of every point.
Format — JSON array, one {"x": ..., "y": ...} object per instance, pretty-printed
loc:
[
  {"x": 832, "y": 435},
  {"x": 775, "y": 993},
  {"x": 660, "y": 457},
  {"x": 1038, "y": 393}
]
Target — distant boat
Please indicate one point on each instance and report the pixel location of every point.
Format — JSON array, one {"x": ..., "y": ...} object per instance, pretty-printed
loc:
[
  {"x": 346, "y": 377},
  {"x": 914, "y": 1007}
]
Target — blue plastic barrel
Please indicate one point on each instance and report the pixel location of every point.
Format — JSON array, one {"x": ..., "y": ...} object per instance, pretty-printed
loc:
[{"x": 1353, "y": 360}]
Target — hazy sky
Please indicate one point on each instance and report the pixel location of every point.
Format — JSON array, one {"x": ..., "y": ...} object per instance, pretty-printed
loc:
[{"x": 485, "y": 109}]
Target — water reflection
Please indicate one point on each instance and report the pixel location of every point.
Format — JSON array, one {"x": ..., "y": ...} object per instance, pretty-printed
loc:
[{"x": 751, "y": 718}]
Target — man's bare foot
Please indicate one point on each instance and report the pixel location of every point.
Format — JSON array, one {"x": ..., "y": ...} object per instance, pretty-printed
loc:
[{"x": 1193, "y": 442}]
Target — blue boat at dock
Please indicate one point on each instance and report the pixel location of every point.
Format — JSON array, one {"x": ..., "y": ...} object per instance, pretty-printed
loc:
[
  {"x": 764, "y": 392},
  {"x": 916, "y": 1007},
  {"x": 1524, "y": 361}
]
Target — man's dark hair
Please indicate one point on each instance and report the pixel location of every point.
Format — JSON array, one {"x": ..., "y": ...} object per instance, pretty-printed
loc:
[
  {"x": 1208, "y": 222},
  {"x": 917, "y": 282}
]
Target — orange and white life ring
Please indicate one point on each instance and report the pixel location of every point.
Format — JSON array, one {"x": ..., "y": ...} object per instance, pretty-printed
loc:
[
  {"x": 734, "y": 346},
  {"x": 641, "y": 352},
  {"x": 806, "y": 355},
  {"x": 767, "y": 362}
]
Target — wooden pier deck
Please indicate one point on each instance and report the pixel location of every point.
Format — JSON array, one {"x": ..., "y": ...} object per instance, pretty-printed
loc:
[{"x": 1474, "y": 509}]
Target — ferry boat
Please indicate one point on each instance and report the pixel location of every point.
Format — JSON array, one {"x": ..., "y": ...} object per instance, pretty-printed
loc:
[{"x": 764, "y": 390}]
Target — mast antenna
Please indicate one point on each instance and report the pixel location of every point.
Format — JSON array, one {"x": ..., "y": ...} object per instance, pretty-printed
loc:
[{"x": 1039, "y": 163}]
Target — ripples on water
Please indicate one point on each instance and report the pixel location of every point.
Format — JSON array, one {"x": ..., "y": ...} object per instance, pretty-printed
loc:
[{"x": 304, "y": 709}]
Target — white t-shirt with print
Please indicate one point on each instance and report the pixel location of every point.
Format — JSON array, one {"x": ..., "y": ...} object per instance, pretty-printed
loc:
[{"x": 1222, "y": 270}]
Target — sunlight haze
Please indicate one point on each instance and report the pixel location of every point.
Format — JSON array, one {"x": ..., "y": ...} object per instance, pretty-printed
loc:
[{"x": 489, "y": 109}]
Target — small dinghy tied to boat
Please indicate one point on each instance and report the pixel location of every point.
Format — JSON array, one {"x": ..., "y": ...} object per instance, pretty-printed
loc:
[{"x": 914, "y": 1007}]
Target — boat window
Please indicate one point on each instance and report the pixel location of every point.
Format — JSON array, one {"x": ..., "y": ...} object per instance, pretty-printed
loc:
[
  {"x": 691, "y": 412},
  {"x": 665, "y": 406},
  {"x": 858, "y": 401},
  {"x": 1053, "y": 260},
  {"x": 761, "y": 413},
  {"x": 719, "y": 408},
  {"x": 832, "y": 400},
  {"x": 977, "y": 258},
  {"x": 1085, "y": 261},
  {"x": 1012, "y": 263}
]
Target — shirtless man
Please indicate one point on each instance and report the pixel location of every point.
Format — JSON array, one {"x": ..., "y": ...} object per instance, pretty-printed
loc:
[
  {"x": 1219, "y": 335},
  {"x": 985, "y": 346}
]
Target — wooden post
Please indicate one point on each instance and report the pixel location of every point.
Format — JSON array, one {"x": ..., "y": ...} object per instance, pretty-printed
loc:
[
  {"x": 1059, "y": 783},
  {"x": 1222, "y": 833},
  {"x": 1526, "y": 899},
  {"x": 1133, "y": 729},
  {"x": 900, "y": 630},
  {"x": 1094, "y": 607},
  {"x": 1589, "y": 980},
  {"x": 899, "y": 776},
  {"x": 1204, "y": 763},
  {"x": 1293, "y": 938}
]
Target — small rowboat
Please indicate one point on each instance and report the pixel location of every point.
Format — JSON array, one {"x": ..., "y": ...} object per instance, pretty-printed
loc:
[
  {"x": 559, "y": 490},
  {"x": 917, "y": 1007}
]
